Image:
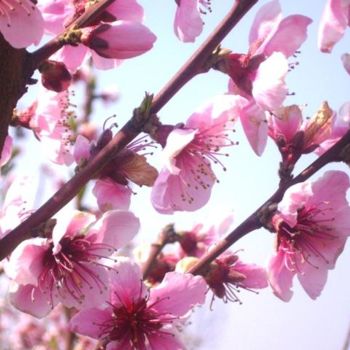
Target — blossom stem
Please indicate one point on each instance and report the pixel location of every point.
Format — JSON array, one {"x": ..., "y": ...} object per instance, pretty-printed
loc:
[
  {"x": 166, "y": 236},
  {"x": 124, "y": 136},
  {"x": 253, "y": 222}
]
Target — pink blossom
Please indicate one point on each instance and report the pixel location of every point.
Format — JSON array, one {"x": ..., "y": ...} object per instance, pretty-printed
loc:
[
  {"x": 295, "y": 136},
  {"x": 72, "y": 266},
  {"x": 197, "y": 241},
  {"x": 312, "y": 225},
  {"x": 21, "y": 23},
  {"x": 113, "y": 190},
  {"x": 188, "y": 23},
  {"x": 51, "y": 124},
  {"x": 136, "y": 318},
  {"x": 285, "y": 123},
  {"x": 186, "y": 181},
  {"x": 334, "y": 20},
  {"x": 259, "y": 76},
  {"x": 270, "y": 35},
  {"x": 120, "y": 39}
]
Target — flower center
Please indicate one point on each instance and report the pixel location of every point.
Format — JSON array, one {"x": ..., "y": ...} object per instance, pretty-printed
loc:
[
  {"x": 303, "y": 241},
  {"x": 71, "y": 268},
  {"x": 134, "y": 323}
]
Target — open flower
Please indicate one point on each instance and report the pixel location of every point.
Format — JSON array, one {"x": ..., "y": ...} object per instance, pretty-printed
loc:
[
  {"x": 259, "y": 75},
  {"x": 72, "y": 266},
  {"x": 136, "y": 318},
  {"x": 188, "y": 23},
  {"x": 312, "y": 225},
  {"x": 186, "y": 180},
  {"x": 21, "y": 23}
]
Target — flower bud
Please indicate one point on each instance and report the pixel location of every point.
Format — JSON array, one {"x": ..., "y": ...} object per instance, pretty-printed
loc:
[
  {"x": 55, "y": 76},
  {"x": 120, "y": 39}
]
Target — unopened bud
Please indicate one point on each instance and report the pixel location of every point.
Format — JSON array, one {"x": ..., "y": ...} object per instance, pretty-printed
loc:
[
  {"x": 55, "y": 76},
  {"x": 120, "y": 39}
]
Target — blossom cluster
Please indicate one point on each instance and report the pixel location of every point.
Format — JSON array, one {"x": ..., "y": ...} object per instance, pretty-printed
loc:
[{"x": 79, "y": 269}]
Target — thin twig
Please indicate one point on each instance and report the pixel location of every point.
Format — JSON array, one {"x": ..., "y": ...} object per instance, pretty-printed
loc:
[{"x": 253, "y": 222}]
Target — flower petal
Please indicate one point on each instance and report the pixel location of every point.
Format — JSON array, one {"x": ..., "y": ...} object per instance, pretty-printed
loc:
[{"x": 178, "y": 293}]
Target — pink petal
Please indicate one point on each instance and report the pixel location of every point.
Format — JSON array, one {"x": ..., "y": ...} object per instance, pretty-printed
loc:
[
  {"x": 126, "y": 284},
  {"x": 30, "y": 300},
  {"x": 294, "y": 198},
  {"x": 177, "y": 140},
  {"x": 331, "y": 190},
  {"x": 93, "y": 287},
  {"x": 115, "y": 345},
  {"x": 269, "y": 87},
  {"x": 116, "y": 228},
  {"x": 120, "y": 39},
  {"x": 104, "y": 63},
  {"x": 71, "y": 226},
  {"x": 266, "y": 19},
  {"x": 81, "y": 150},
  {"x": 280, "y": 277},
  {"x": 287, "y": 37},
  {"x": 88, "y": 322},
  {"x": 346, "y": 61},
  {"x": 165, "y": 341},
  {"x": 128, "y": 10},
  {"x": 188, "y": 23},
  {"x": 178, "y": 293},
  {"x": 71, "y": 56},
  {"x": 26, "y": 262},
  {"x": 285, "y": 122},
  {"x": 111, "y": 195},
  {"x": 314, "y": 271},
  {"x": 55, "y": 13},
  {"x": 220, "y": 109},
  {"x": 170, "y": 192},
  {"x": 256, "y": 276},
  {"x": 23, "y": 26},
  {"x": 334, "y": 20},
  {"x": 255, "y": 126}
]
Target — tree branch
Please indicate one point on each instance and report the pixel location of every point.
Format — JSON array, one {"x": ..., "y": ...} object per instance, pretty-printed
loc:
[
  {"x": 129, "y": 131},
  {"x": 253, "y": 222}
]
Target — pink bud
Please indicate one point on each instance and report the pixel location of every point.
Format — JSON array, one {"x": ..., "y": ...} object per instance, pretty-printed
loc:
[
  {"x": 120, "y": 39},
  {"x": 55, "y": 76}
]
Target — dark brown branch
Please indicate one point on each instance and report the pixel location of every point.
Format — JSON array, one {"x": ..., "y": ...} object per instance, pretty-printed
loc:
[
  {"x": 13, "y": 78},
  {"x": 120, "y": 140},
  {"x": 197, "y": 61},
  {"x": 253, "y": 222}
]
